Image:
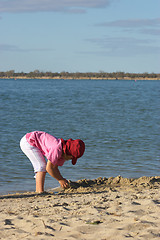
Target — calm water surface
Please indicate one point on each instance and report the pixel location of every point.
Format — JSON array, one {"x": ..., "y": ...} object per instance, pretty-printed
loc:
[{"x": 118, "y": 120}]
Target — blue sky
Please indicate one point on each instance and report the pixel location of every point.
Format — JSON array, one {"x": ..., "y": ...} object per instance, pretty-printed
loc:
[{"x": 80, "y": 35}]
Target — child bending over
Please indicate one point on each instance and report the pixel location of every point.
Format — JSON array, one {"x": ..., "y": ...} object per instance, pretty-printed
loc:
[{"x": 37, "y": 145}]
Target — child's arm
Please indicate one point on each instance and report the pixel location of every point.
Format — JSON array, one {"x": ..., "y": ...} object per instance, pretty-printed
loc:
[{"x": 54, "y": 172}]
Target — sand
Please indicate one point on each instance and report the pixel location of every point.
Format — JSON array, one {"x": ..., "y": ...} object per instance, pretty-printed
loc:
[{"x": 100, "y": 209}]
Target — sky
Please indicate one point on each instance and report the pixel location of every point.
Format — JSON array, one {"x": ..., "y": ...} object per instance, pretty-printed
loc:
[{"x": 80, "y": 35}]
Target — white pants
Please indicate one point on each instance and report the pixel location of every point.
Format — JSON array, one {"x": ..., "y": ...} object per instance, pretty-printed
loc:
[{"x": 34, "y": 154}]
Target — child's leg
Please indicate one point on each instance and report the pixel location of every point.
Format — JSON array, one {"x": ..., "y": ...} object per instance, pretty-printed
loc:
[
  {"x": 40, "y": 178},
  {"x": 38, "y": 161}
]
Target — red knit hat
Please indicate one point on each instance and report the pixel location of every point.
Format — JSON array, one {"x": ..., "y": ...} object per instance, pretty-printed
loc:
[{"x": 75, "y": 148}]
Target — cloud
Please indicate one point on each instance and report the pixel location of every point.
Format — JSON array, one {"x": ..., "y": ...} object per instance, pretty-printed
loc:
[
  {"x": 7, "y": 47},
  {"x": 129, "y": 46},
  {"x": 124, "y": 46},
  {"x": 118, "y": 42},
  {"x": 150, "y": 31},
  {"x": 143, "y": 26},
  {"x": 71, "y": 6},
  {"x": 14, "y": 48},
  {"x": 132, "y": 23}
]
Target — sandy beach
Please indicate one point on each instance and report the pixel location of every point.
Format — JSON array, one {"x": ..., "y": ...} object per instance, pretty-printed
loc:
[{"x": 100, "y": 209}]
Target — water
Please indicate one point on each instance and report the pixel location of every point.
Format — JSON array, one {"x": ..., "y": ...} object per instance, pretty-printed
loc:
[{"x": 118, "y": 120}]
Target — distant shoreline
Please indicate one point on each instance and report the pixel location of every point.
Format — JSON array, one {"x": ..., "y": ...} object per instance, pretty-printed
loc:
[
  {"x": 81, "y": 78},
  {"x": 36, "y": 74}
]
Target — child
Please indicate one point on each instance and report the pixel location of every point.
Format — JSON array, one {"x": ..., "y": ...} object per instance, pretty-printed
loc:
[{"x": 37, "y": 145}]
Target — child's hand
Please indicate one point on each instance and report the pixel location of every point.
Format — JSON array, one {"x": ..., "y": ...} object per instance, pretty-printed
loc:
[{"x": 64, "y": 183}]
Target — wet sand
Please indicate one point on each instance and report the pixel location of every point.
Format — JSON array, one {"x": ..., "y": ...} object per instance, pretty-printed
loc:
[{"x": 100, "y": 209}]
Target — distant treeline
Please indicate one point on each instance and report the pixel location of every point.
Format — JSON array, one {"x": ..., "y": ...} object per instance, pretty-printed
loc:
[{"x": 79, "y": 75}]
